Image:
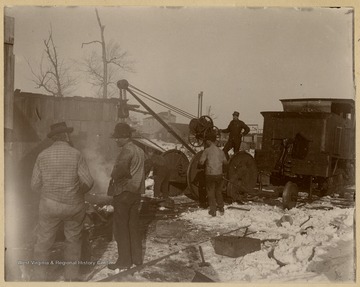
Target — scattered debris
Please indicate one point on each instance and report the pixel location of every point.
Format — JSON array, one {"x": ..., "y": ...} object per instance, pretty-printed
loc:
[
  {"x": 271, "y": 255},
  {"x": 305, "y": 221},
  {"x": 203, "y": 262},
  {"x": 199, "y": 277},
  {"x": 236, "y": 246},
  {"x": 285, "y": 219},
  {"x": 238, "y": 208}
]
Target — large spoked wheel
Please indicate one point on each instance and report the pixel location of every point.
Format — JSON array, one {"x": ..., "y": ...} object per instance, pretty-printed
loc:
[
  {"x": 242, "y": 175},
  {"x": 177, "y": 165},
  {"x": 290, "y": 195},
  {"x": 216, "y": 131},
  {"x": 205, "y": 122},
  {"x": 195, "y": 140},
  {"x": 194, "y": 177}
]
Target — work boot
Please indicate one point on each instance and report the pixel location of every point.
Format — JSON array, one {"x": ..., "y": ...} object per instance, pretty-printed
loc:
[
  {"x": 212, "y": 213},
  {"x": 221, "y": 210},
  {"x": 117, "y": 266}
]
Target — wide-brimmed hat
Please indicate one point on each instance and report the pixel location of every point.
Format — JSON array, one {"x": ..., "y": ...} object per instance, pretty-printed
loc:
[
  {"x": 59, "y": 128},
  {"x": 236, "y": 113},
  {"x": 122, "y": 130}
]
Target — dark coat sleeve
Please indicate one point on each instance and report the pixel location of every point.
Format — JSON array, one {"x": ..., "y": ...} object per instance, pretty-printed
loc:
[
  {"x": 246, "y": 129},
  {"x": 227, "y": 130}
]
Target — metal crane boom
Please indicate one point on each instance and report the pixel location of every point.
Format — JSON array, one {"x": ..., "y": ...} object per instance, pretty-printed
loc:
[{"x": 124, "y": 84}]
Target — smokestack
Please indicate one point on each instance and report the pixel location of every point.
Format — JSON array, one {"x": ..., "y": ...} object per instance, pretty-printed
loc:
[{"x": 200, "y": 103}]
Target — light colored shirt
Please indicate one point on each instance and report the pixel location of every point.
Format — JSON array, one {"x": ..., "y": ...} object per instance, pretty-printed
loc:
[
  {"x": 61, "y": 174},
  {"x": 214, "y": 159}
]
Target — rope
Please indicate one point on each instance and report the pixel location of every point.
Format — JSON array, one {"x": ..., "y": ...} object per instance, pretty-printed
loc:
[
  {"x": 162, "y": 103},
  {"x": 167, "y": 106}
]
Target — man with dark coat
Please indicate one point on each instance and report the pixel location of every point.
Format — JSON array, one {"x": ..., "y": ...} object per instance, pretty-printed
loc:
[
  {"x": 236, "y": 130},
  {"x": 129, "y": 177},
  {"x": 62, "y": 177}
]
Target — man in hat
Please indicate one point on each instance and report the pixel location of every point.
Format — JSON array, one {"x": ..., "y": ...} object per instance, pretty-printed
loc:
[
  {"x": 236, "y": 130},
  {"x": 62, "y": 177},
  {"x": 215, "y": 165},
  {"x": 129, "y": 177}
]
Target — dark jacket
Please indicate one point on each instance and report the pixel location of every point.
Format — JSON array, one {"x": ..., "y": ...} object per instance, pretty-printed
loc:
[
  {"x": 235, "y": 129},
  {"x": 128, "y": 172}
]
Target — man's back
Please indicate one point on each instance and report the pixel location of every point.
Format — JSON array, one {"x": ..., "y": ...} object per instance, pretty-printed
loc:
[
  {"x": 214, "y": 160},
  {"x": 59, "y": 170}
]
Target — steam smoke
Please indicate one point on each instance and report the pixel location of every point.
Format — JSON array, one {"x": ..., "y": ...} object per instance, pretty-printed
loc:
[{"x": 100, "y": 167}]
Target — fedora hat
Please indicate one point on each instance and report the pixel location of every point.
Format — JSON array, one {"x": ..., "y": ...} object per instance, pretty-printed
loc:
[
  {"x": 236, "y": 113},
  {"x": 59, "y": 128},
  {"x": 122, "y": 130}
]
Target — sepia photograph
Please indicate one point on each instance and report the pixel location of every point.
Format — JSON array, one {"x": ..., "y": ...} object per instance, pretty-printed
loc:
[{"x": 189, "y": 143}]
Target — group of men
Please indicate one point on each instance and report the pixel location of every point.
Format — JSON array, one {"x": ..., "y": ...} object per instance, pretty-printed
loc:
[{"x": 62, "y": 178}]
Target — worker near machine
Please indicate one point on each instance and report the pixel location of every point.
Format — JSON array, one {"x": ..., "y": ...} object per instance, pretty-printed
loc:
[
  {"x": 161, "y": 173},
  {"x": 62, "y": 177},
  {"x": 215, "y": 166},
  {"x": 128, "y": 175},
  {"x": 236, "y": 130}
]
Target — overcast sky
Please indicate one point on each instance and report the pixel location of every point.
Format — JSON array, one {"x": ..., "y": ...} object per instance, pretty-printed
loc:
[{"x": 243, "y": 59}]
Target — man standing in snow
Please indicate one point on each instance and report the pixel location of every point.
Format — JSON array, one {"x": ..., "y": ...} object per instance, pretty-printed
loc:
[
  {"x": 128, "y": 175},
  {"x": 161, "y": 173},
  {"x": 236, "y": 130},
  {"x": 62, "y": 177},
  {"x": 215, "y": 163}
]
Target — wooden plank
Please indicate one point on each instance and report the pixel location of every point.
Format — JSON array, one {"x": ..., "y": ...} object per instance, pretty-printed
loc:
[{"x": 9, "y": 30}]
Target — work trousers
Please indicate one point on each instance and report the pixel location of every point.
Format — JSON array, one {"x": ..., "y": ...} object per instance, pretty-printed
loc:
[
  {"x": 51, "y": 215},
  {"x": 231, "y": 143},
  {"x": 214, "y": 191},
  {"x": 203, "y": 201},
  {"x": 126, "y": 229},
  {"x": 161, "y": 182}
]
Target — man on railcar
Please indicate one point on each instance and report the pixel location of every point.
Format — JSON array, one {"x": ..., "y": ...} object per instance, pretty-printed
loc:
[{"x": 236, "y": 130}]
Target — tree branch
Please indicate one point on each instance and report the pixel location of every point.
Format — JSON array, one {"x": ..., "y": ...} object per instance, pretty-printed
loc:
[{"x": 82, "y": 45}]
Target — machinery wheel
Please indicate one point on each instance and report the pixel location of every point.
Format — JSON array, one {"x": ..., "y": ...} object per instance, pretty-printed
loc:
[
  {"x": 195, "y": 140},
  {"x": 242, "y": 175},
  {"x": 205, "y": 122},
  {"x": 177, "y": 163},
  {"x": 216, "y": 131},
  {"x": 193, "y": 177},
  {"x": 290, "y": 195}
]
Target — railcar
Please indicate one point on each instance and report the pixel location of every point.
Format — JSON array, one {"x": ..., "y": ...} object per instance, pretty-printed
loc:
[{"x": 310, "y": 143}]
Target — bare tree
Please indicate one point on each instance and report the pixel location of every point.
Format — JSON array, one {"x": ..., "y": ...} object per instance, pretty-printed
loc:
[
  {"x": 53, "y": 75},
  {"x": 102, "y": 69}
]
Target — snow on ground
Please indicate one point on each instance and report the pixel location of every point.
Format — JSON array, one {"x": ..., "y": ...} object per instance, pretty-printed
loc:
[
  {"x": 301, "y": 249},
  {"x": 308, "y": 245}
]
